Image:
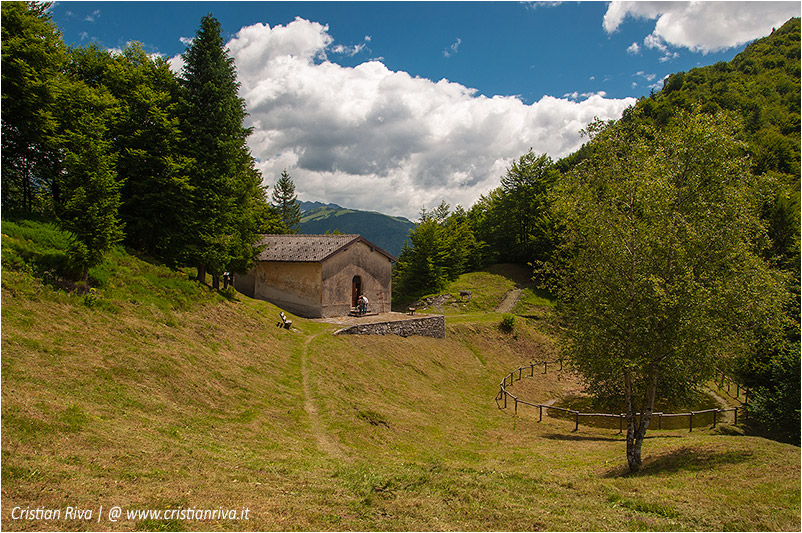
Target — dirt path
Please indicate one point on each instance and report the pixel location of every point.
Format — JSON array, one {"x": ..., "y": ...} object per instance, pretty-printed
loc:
[
  {"x": 509, "y": 301},
  {"x": 325, "y": 442}
]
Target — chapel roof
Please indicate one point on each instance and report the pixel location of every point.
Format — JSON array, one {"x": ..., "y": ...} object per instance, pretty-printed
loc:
[{"x": 309, "y": 248}]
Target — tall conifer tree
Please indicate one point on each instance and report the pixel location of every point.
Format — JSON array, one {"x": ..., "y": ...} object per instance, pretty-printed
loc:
[
  {"x": 226, "y": 184},
  {"x": 286, "y": 202}
]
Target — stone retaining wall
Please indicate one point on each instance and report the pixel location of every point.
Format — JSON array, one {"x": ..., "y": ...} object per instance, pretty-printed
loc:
[{"x": 433, "y": 326}]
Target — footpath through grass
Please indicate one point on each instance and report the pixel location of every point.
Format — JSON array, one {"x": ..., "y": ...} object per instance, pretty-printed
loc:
[{"x": 158, "y": 394}]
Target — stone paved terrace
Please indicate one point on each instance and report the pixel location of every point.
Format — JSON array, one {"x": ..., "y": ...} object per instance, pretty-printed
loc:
[{"x": 369, "y": 319}]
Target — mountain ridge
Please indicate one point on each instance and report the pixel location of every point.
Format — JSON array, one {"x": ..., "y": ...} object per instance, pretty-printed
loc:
[{"x": 385, "y": 231}]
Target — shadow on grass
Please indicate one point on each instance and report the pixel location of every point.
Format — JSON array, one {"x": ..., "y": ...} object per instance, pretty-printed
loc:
[
  {"x": 579, "y": 438},
  {"x": 685, "y": 459}
]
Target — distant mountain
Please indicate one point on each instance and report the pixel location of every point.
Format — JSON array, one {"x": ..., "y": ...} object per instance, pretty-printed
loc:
[
  {"x": 308, "y": 206},
  {"x": 387, "y": 232}
]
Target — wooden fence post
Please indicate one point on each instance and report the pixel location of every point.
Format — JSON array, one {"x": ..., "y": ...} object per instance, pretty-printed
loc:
[
  {"x": 715, "y": 413},
  {"x": 576, "y": 413},
  {"x": 545, "y": 367},
  {"x": 690, "y": 418},
  {"x": 516, "y": 406},
  {"x": 541, "y": 413},
  {"x": 532, "y": 370}
]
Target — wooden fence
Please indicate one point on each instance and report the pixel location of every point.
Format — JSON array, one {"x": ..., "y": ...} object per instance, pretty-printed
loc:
[{"x": 722, "y": 380}]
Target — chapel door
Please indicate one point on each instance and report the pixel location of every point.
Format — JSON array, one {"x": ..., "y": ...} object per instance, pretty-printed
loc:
[{"x": 356, "y": 290}]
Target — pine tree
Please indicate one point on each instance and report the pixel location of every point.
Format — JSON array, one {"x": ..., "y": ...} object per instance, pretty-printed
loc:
[
  {"x": 285, "y": 200},
  {"x": 225, "y": 183}
]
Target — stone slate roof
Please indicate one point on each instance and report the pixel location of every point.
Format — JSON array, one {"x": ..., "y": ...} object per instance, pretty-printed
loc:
[{"x": 309, "y": 248}]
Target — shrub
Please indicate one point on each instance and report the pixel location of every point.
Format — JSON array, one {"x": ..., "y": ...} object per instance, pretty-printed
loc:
[{"x": 507, "y": 322}]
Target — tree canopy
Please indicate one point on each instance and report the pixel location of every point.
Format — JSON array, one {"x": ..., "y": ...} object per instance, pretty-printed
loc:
[{"x": 660, "y": 269}]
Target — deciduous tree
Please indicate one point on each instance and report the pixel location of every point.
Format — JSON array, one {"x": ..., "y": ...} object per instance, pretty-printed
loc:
[
  {"x": 156, "y": 195},
  {"x": 88, "y": 195},
  {"x": 32, "y": 58},
  {"x": 660, "y": 268}
]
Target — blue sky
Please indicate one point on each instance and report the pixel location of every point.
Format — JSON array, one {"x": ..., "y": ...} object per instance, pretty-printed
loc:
[{"x": 394, "y": 106}]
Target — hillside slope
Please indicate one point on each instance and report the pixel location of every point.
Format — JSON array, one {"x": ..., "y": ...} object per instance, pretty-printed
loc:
[
  {"x": 386, "y": 232},
  {"x": 760, "y": 86},
  {"x": 155, "y": 393}
]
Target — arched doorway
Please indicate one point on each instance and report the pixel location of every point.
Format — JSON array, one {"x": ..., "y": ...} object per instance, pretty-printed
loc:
[{"x": 356, "y": 290}]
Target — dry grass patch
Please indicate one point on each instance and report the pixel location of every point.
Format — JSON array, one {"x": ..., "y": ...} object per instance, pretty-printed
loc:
[{"x": 202, "y": 405}]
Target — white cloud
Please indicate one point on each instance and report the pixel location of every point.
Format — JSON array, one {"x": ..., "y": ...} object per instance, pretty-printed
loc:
[
  {"x": 633, "y": 49},
  {"x": 176, "y": 63},
  {"x": 348, "y": 50},
  {"x": 451, "y": 50},
  {"x": 576, "y": 95},
  {"x": 648, "y": 77},
  {"x": 703, "y": 26},
  {"x": 368, "y": 137},
  {"x": 535, "y": 5},
  {"x": 654, "y": 41},
  {"x": 92, "y": 16},
  {"x": 659, "y": 83},
  {"x": 669, "y": 56}
]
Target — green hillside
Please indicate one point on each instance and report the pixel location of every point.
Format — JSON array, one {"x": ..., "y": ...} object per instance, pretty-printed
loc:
[
  {"x": 154, "y": 393},
  {"x": 387, "y": 232},
  {"x": 761, "y": 86}
]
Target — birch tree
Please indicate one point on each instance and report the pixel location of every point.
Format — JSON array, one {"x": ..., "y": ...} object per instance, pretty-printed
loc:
[{"x": 660, "y": 273}]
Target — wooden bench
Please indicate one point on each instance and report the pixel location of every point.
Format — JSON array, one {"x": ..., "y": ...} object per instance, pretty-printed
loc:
[{"x": 285, "y": 322}]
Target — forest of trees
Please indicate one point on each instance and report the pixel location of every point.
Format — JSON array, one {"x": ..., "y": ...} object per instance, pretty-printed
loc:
[{"x": 115, "y": 147}]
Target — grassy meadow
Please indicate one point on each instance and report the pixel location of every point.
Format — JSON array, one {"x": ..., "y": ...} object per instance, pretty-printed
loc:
[{"x": 152, "y": 392}]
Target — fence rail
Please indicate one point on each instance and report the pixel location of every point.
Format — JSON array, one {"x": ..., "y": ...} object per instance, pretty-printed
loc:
[{"x": 721, "y": 380}]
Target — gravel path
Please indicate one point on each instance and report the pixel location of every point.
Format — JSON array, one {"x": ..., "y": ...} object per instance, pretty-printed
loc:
[{"x": 509, "y": 301}]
